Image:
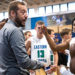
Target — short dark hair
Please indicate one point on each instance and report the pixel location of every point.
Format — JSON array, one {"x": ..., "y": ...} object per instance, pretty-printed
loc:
[
  {"x": 27, "y": 32},
  {"x": 14, "y": 5},
  {"x": 5, "y": 20},
  {"x": 2, "y": 23},
  {"x": 40, "y": 23},
  {"x": 49, "y": 31},
  {"x": 64, "y": 32}
]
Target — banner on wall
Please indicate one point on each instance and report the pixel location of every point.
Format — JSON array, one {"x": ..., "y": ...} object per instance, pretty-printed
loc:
[{"x": 64, "y": 19}]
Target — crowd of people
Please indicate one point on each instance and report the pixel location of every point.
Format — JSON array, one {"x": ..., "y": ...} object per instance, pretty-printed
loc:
[
  {"x": 23, "y": 54},
  {"x": 61, "y": 58}
]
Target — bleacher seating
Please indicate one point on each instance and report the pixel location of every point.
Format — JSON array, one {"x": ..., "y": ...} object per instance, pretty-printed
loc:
[{"x": 58, "y": 29}]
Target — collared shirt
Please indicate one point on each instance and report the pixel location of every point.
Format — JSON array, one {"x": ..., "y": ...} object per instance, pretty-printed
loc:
[{"x": 12, "y": 49}]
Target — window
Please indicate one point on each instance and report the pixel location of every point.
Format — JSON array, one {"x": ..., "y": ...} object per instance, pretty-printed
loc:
[
  {"x": 2, "y": 17},
  {"x": 6, "y": 14},
  {"x": 55, "y": 8},
  {"x": 63, "y": 7},
  {"x": 48, "y": 9},
  {"x": 41, "y": 10},
  {"x": 31, "y": 12},
  {"x": 71, "y": 6}
]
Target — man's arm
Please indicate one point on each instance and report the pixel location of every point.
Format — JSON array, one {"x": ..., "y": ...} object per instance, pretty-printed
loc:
[
  {"x": 55, "y": 58},
  {"x": 17, "y": 44},
  {"x": 2, "y": 24},
  {"x": 28, "y": 47},
  {"x": 52, "y": 44}
]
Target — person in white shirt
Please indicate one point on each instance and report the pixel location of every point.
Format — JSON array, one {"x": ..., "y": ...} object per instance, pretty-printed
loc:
[{"x": 40, "y": 49}]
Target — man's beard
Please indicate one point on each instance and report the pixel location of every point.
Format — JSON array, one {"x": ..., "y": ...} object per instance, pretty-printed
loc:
[{"x": 19, "y": 22}]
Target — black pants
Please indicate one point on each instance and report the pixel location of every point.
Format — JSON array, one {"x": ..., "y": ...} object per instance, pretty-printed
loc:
[
  {"x": 63, "y": 58},
  {"x": 15, "y": 71}
]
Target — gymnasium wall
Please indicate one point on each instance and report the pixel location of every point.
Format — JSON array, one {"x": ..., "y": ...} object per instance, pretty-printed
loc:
[{"x": 52, "y": 21}]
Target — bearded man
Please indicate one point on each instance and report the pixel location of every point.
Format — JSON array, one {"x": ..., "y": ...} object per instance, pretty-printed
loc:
[{"x": 13, "y": 56}]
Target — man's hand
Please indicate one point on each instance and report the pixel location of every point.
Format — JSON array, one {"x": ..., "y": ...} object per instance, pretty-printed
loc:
[
  {"x": 44, "y": 29},
  {"x": 52, "y": 69},
  {"x": 31, "y": 71}
]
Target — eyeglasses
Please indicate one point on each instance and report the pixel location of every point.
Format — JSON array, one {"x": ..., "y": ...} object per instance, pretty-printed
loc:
[{"x": 39, "y": 27}]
